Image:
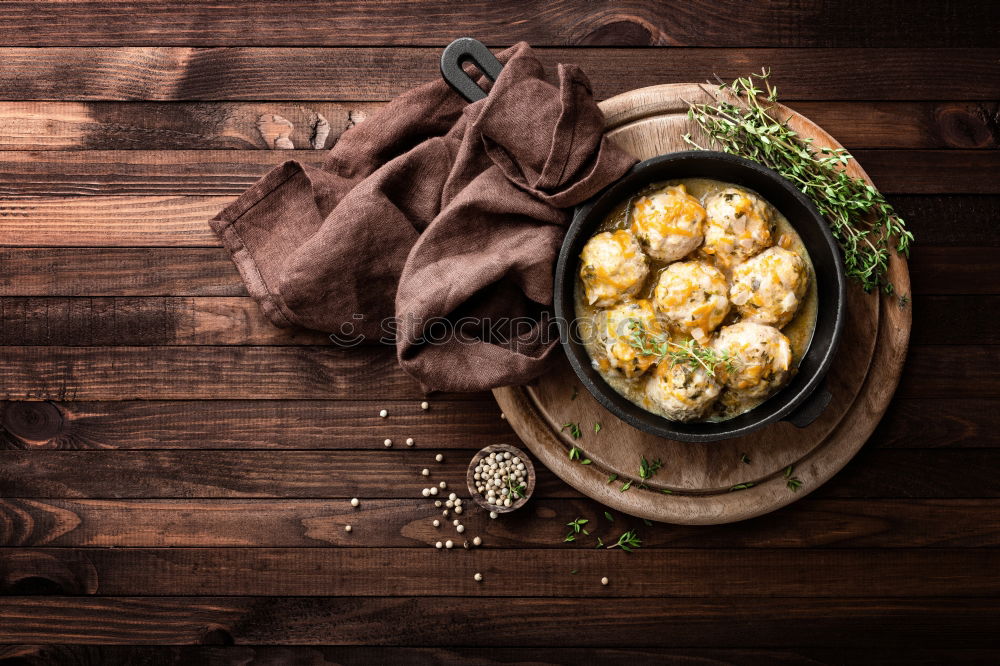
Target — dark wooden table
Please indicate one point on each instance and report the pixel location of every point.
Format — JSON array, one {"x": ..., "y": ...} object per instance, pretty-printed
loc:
[{"x": 175, "y": 473}]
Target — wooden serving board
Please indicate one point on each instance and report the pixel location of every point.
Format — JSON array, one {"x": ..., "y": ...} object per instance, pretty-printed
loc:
[{"x": 695, "y": 484}]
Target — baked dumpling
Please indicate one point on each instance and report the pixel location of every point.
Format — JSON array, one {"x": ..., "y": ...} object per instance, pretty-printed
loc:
[
  {"x": 769, "y": 287},
  {"x": 681, "y": 392},
  {"x": 669, "y": 223},
  {"x": 620, "y": 327},
  {"x": 759, "y": 358},
  {"x": 738, "y": 225},
  {"x": 692, "y": 296},
  {"x": 613, "y": 267}
]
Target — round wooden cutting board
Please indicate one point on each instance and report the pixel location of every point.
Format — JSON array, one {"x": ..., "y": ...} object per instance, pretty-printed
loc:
[{"x": 732, "y": 479}]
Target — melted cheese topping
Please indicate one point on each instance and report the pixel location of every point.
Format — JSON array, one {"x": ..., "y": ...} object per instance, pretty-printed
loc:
[
  {"x": 739, "y": 225},
  {"x": 669, "y": 224},
  {"x": 681, "y": 392},
  {"x": 769, "y": 288},
  {"x": 692, "y": 297},
  {"x": 761, "y": 357},
  {"x": 613, "y": 267},
  {"x": 616, "y": 333}
]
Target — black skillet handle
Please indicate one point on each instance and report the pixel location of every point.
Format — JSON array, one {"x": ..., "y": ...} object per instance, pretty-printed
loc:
[
  {"x": 465, "y": 50},
  {"x": 813, "y": 406}
]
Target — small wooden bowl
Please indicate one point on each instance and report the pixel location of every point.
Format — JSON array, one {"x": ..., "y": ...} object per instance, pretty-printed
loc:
[{"x": 529, "y": 483}]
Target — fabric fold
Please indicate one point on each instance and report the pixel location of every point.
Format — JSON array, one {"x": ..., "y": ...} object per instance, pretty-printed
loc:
[{"x": 434, "y": 225}]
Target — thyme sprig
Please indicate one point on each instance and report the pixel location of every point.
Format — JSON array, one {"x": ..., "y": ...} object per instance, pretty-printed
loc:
[
  {"x": 742, "y": 122},
  {"x": 687, "y": 353},
  {"x": 628, "y": 542}
]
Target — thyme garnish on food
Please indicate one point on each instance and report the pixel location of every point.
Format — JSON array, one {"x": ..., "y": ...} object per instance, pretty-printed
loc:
[
  {"x": 687, "y": 353},
  {"x": 867, "y": 227}
]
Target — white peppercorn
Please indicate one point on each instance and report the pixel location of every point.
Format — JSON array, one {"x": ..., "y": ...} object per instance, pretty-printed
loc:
[
  {"x": 425, "y": 492},
  {"x": 439, "y": 457},
  {"x": 436, "y": 523},
  {"x": 493, "y": 515},
  {"x": 476, "y": 541},
  {"x": 354, "y": 501},
  {"x": 604, "y": 581},
  {"x": 443, "y": 485},
  {"x": 439, "y": 545},
  {"x": 460, "y": 528},
  {"x": 387, "y": 442},
  {"x": 458, "y": 509},
  {"x": 347, "y": 528},
  {"x": 425, "y": 472},
  {"x": 383, "y": 413},
  {"x": 409, "y": 441},
  {"x": 424, "y": 405},
  {"x": 478, "y": 577},
  {"x": 449, "y": 544},
  {"x": 434, "y": 491}
]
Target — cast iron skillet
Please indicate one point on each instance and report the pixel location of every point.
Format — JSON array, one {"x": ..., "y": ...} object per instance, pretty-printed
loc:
[{"x": 805, "y": 397}]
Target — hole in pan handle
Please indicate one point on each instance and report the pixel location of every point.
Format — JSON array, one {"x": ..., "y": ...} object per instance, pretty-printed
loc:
[
  {"x": 465, "y": 50},
  {"x": 813, "y": 406}
]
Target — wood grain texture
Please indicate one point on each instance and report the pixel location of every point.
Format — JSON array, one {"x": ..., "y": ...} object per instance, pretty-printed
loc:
[
  {"x": 328, "y": 372},
  {"x": 427, "y": 571},
  {"x": 200, "y": 320},
  {"x": 233, "y": 125},
  {"x": 352, "y": 424},
  {"x": 229, "y": 125},
  {"x": 544, "y": 23},
  {"x": 967, "y": 623},
  {"x": 145, "y": 172},
  {"x": 374, "y": 74},
  {"x": 145, "y": 373},
  {"x": 30, "y": 173},
  {"x": 180, "y": 221},
  {"x": 829, "y": 523},
  {"x": 355, "y": 425},
  {"x": 325, "y": 655},
  {"x": 46, "y": 474}
]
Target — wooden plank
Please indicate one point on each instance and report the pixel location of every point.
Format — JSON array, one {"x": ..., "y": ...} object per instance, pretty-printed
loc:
[
  {"x": 173, "y": 523},
  {"x": 108, "y": 221},
  {"x": 178, "y": 320},
  {"x": 427, "y": 571},
  {"x": 954, "y": 270},
  {"x": 143, "y": 321},
  {"x": 355, "y": 424},
  {"x": 717, "y": 622},
  {"x": 955, "y": 319},
  {"x": 327, "y": 372},
  {"x": 30, "y": 173},
  {"x": 234, "y": 125},
  {"x": 181, "y": 221},
  {"x": 351, "y": 424},
  {"x": 144, "y": 172},
  {"x": 393, "y": 474},
  {"x": 186, "y": 373},
  {"x": 544, "y": 23},
  {"x": 315, "y": 655},
  {"x": 118, "y": 272},
  {"x": 189, "y": 271},
  {"x": 373, "y": 74}
]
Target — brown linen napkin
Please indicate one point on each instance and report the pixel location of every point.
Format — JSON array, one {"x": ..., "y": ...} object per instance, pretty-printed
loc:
[{"x": 433, "y": 225}]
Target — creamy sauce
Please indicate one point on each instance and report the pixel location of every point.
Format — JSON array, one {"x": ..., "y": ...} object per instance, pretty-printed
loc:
[{"x": 799, "y": 330}]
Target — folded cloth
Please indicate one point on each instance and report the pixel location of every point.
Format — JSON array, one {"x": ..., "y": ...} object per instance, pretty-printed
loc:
[{"x": 433, "y": 225}]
